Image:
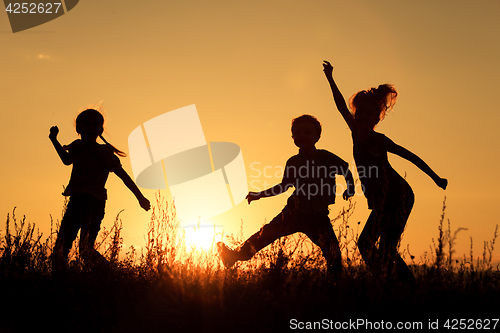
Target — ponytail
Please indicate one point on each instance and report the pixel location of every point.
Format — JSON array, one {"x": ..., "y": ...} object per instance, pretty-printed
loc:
[{"x": 116, "y": 150}]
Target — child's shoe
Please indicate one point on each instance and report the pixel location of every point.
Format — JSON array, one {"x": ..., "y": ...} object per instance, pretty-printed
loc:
[{"x": 227, "y": 255}]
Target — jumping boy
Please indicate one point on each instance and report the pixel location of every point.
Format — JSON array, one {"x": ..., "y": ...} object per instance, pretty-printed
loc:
[{"x": 312, "y": 172}]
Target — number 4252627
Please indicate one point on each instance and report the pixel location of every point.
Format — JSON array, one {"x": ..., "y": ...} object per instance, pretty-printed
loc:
[
  {"x": 33, "y": 8},
  {"x": 469, "y": 324}
]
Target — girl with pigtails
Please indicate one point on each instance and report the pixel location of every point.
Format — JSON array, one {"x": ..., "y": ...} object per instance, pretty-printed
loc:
[
  {"x": 92, "y": 163},
  {"x": 389, "y": 196}
]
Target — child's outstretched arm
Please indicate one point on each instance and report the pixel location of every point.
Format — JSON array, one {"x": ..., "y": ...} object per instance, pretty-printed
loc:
[
  {"x": 123, "y": 175},
  {"x": 270, "y": 192},
  {"x": 63, "y": 154},
  {"x": 337, "y": 95},
  {"x": 408, "y": 155}
]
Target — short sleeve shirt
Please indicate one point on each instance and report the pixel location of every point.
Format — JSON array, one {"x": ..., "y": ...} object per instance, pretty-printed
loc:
[
  {"x": 313, "y": 176},
  {"x": 92, "y": 163}
]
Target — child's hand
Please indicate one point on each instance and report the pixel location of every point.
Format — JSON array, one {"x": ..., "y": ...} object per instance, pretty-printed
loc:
[
  {"x": 54, "y": 130},
  {"x": 144, "y": 203},
  {"x": 251, "y": 196},
  {"x": 441, "y": 182},
  {"x": 347, "y": 194},
  {"x": 327, "y": 68}
]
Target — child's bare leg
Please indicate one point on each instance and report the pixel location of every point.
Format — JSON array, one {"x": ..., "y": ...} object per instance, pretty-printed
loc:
[
  {"x": 389, "y": 241},
  {"x": 91, "y": 224},
  {"x": 70, "y": 224},
  {"x": 368, "y": 238}
]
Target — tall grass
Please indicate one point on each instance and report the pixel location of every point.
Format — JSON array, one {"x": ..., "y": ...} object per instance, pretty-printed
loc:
[{"x": 168, "y": 286}]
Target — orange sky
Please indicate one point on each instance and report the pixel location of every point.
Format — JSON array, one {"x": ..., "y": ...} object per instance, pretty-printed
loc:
[{"x": 250, "y": 67}]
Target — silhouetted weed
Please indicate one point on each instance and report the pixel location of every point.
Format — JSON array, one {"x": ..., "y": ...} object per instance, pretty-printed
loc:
[{"x": 166, "y": 286}]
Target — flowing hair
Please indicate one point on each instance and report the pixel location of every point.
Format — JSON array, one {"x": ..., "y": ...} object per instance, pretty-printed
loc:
[
  {"x": 116, "y": 150},
  {"x": 375, "y": 101}
]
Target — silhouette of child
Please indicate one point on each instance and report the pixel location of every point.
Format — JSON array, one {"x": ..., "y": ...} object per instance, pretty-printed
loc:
[
  {"x": 312, "y": 172},
  {"x": 92, "y": 163},
  {"x": 389, "y": 196}
]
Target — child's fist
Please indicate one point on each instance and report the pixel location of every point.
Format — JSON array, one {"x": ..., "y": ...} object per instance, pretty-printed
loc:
[
  {"x": 442, "y": 183},
  {"x": 54, "y": 130}
]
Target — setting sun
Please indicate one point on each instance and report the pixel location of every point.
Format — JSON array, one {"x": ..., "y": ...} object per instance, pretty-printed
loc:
[
  {"x": 176, "y": 211},
  {"x": 200, "y": 237}
]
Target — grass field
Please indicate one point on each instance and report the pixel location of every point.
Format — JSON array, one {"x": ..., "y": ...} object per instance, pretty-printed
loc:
[{"x": 169, "y": 288}]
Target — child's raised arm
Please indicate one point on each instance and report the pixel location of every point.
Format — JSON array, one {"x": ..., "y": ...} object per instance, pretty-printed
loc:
[
  {"x": 63, "y": 154},
  {"x": 123, "y": 175},
  {"x": 408, "y": 155},
  {"x": 337, "y": 96}
]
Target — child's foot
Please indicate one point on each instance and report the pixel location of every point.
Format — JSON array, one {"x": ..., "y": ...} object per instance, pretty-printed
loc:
[{"x": 227, "y": 255}]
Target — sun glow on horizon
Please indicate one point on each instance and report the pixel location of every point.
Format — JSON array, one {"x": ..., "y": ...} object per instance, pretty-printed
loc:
[{"x": 201, "y": 237}]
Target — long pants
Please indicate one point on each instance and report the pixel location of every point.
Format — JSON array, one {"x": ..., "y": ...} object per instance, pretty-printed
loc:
[
  {"x": 386, "y": 224},
  {"x": 316, "y": 226},
  {"x": 84, "y": 213}
]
